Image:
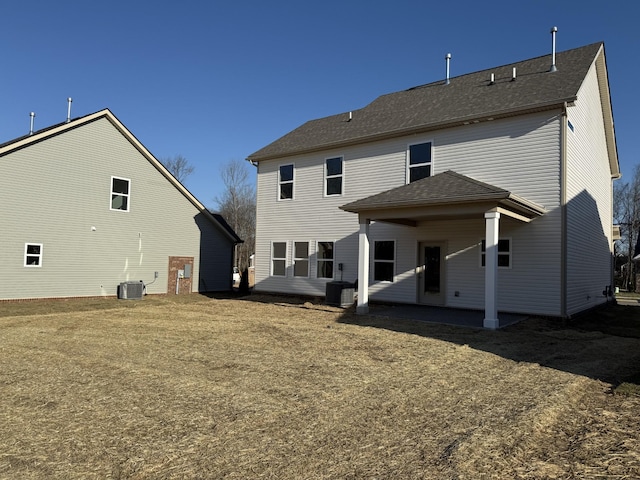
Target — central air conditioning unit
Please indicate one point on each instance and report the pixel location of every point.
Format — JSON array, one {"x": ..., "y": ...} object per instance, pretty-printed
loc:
[{"x": 130, "y": 290}]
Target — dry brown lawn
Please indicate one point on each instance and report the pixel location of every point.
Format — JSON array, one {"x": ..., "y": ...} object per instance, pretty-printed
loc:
[{"x": 199, "y": 387}]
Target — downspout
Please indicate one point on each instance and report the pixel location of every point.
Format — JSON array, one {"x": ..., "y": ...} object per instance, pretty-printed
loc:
[{"x": 563, "y": 211}]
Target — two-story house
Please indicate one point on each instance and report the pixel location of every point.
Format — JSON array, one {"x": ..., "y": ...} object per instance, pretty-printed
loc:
[
  {"x": 86, "y": 208},
  {"x": 488, "y": 191}
]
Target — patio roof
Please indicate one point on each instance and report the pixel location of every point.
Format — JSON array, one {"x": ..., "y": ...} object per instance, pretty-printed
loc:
[{"x": 447, "y": 195}]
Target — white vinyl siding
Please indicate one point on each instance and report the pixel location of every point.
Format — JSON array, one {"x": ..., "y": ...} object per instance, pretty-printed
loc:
[
  {"x": 589, "y": 205},
  {"x": 520, "y": 154}
]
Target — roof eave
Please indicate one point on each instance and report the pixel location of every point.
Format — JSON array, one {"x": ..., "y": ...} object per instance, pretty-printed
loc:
[
  {"x": 607, "y": 111},
  {"x": 471, "y": 119},
  {"x": 410, "y": 204}
]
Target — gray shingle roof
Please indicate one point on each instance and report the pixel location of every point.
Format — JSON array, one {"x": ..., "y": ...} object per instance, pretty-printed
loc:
[
  {"x": 435, "y": 105},
  {"x": 445, "y": 188}
]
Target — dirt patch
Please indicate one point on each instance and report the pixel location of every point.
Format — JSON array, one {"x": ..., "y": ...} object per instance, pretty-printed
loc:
[{"x": 203, "y": 387}]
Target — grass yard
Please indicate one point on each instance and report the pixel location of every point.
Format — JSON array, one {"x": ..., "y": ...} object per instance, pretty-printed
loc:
[{"x": 198, "y": 387}]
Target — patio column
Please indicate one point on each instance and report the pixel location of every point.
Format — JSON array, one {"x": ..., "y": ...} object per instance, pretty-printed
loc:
[
  {"x": 492, "y": 220},
  {"x": 362, "y": 306}
]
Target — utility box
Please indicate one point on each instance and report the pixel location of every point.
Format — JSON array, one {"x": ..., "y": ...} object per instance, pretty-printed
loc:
[{"x": 340, "y": 294}]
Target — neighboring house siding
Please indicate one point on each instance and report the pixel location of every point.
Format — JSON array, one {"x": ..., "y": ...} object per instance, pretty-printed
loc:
[
  {"x": 521, "y": 154},
  {"x": 59, "y": 188},
  {"x": 589, "y": 203}
]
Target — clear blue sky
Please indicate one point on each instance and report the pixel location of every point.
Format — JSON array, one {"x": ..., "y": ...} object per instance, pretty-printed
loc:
[{"x": 217, "y": 80}]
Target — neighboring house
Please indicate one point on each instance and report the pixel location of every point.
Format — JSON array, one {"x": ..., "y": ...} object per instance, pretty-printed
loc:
[
  {"x": 86, "y": 207},
  {"x": 492, "y": 191}
]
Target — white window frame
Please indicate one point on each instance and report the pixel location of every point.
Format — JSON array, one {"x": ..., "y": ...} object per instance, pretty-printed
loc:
[
  {"x": 508, "y": 254},
  {"x": 327, "y": 260},
  {"x": 408, "y": 160},
  {"x": 273, "y": 258},
  {"x": 328, "y": 177},
  {"x": 297, "y": 258},
  {"x": 393, "y": 262},
  {"x": 27, "y": 255},
  {"x": 127, "y": 195},
  {"x": 286, "y": 182}
]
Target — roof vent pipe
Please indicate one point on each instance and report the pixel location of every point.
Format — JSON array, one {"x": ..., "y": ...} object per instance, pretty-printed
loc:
[
  {"x": 513, "y": 74},
  {"x": 69, "y": 100},
  {"x": 32, "y": 115},
  {"x": 553, "y": 49},
  {"x": 493, "y": 79},
  {"x": 447, "y": 58}
]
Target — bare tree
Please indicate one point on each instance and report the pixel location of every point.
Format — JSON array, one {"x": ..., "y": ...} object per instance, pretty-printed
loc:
[
  {"x": 626, "y": 213},
  {"x": 178, "y": 166},
  {"x": 238, "y": 206}
]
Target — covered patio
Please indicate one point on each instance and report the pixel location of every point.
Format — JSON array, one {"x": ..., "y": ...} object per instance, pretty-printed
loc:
[
  {"x": 445, "y": 196},
  {"x": 442, "y": 315}
]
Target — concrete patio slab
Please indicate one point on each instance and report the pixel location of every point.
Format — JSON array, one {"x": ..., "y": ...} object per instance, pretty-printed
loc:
[{"x": 441, "y": 315}]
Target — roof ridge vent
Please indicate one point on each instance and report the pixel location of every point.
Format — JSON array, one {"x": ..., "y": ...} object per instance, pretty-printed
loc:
[
  {"x": 33, "y": 116},
  {"x": 553, "y": 50},
  {"x": 447, "y": 59}
]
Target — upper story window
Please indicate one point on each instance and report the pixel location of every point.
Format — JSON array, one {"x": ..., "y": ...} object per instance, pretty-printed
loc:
[
  {"x": 32, "y": 254},
  {"x": 325, "y": 260},
  {"x": 384, "y": 260},
  {"x": 120, "y": 191},
  {"x": 333, "y": 176},
  {"x": 418, "y": 161},
  {"x": 504, "y": 253},
  {"x": 285, "y": 181}
]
